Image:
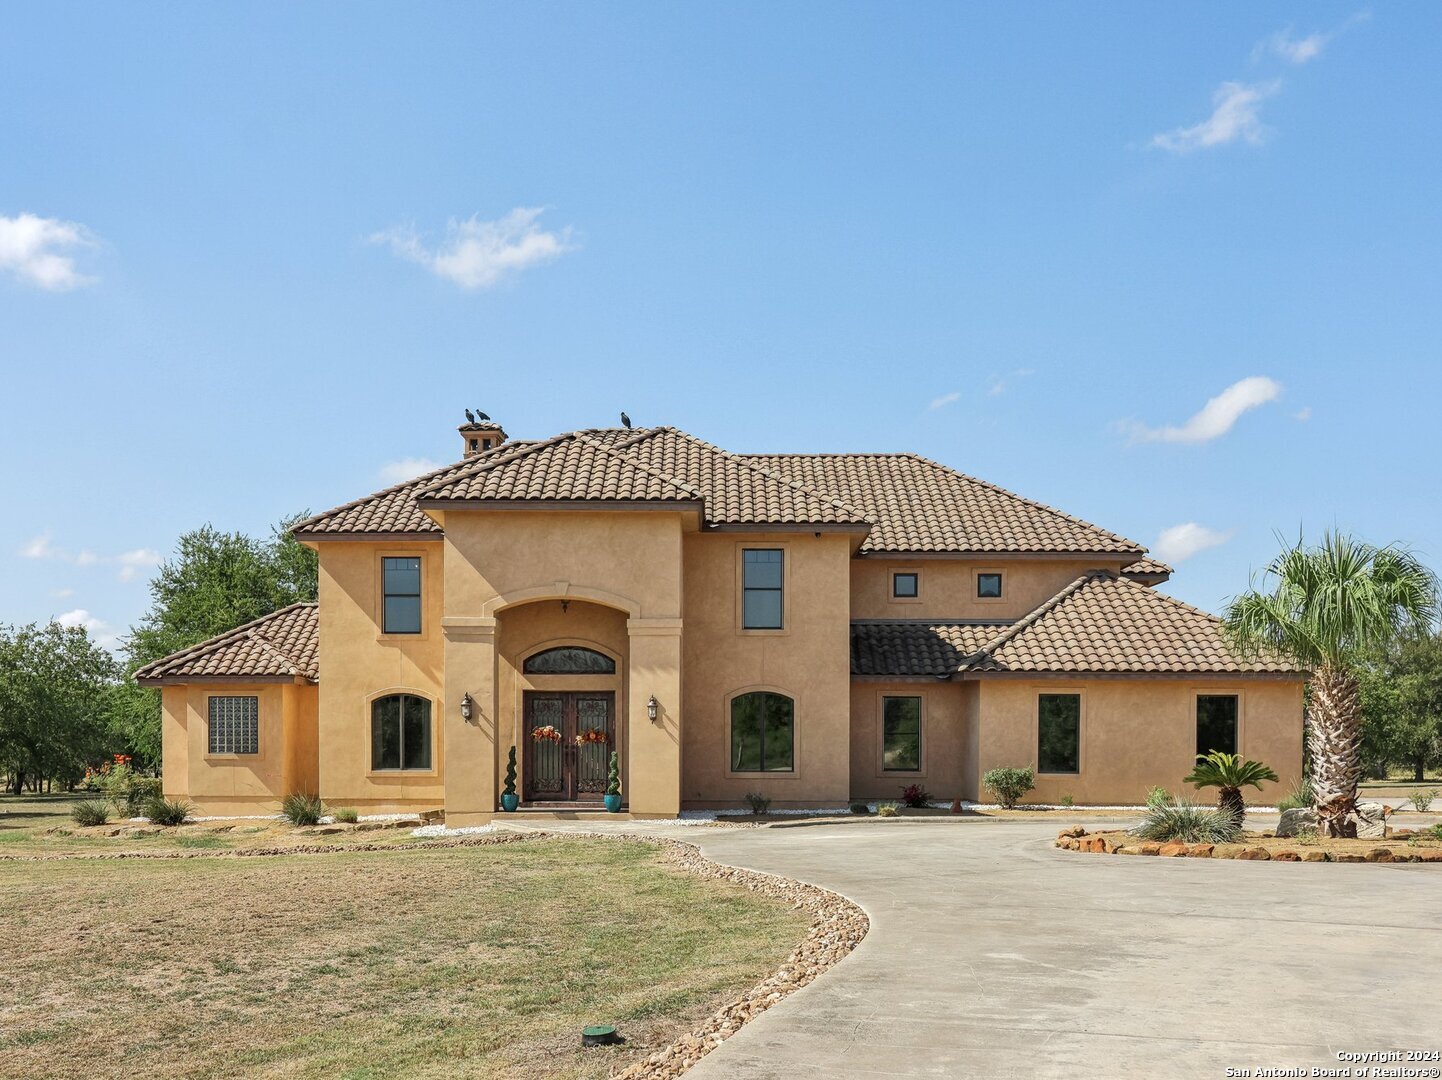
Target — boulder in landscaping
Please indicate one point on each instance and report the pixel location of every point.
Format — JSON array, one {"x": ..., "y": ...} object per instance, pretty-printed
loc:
[{"x": 1295, "y": 821}]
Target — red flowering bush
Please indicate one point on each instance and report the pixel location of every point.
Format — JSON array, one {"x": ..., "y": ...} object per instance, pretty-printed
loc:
[{"x": 915, "y": 795}]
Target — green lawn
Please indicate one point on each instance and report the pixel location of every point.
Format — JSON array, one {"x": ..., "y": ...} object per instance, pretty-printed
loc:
[{"x": 481, "y": 962}]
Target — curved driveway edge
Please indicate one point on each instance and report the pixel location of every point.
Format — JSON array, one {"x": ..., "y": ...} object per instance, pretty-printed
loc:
[{"x": 993, "y": 954}]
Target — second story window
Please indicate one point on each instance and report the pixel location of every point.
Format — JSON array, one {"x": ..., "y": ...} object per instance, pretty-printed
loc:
[
  {"x": 905, "y": 585},
  {"x": 988, "y": 586},
  {"x": 762, "y": 577},
  {"x": 401, "y": 583}
]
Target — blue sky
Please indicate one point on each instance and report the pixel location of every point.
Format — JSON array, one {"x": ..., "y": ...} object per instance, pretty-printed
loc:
[{"x": 255, "y": 259}]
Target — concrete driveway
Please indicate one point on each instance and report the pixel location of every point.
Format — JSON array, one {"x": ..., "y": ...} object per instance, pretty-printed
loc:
[{"x": 993, "y": 954}]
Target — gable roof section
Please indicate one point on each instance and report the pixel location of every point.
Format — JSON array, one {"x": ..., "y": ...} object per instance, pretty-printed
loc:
[
  {"x": 1101, "y": 623},
  {"x": 913, "y": 647},
  {"x": 915, "y": 504},
  {"x": 283, "y": 645}
]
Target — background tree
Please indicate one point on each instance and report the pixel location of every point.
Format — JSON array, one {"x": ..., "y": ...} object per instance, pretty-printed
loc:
[
  {"x": 1330, "y": 607},
  {"x": 215, "y": 582},
  {"x": 1402, "y": 706},
  {"x": 54, "y": 698}
]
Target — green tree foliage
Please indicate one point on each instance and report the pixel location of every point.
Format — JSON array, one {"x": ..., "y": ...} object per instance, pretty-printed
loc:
[
  {"x": 55, "y": 688},
  {"x": 215, "y": 582},
  {"x": 1402, "y": 706}
]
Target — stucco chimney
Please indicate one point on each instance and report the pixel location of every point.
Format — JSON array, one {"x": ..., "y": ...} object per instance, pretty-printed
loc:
[{"x": 480, "y": 435}]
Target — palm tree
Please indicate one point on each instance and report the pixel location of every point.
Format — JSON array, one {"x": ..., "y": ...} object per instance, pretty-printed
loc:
[
  {"x": 1329, "y": 606},
  {"x": 1229, "y": 773}
]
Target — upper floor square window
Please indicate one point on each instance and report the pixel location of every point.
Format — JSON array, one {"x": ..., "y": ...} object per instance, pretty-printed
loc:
[
  {"x": 906, "y": 585},
  {"x": 762, "y": 585},
  {"x": 401, "y": 585},
  {"x": 988, "y": 586}
]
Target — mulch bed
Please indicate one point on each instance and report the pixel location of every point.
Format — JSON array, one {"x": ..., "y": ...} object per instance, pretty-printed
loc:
[{"x": 1260, "y": 847}]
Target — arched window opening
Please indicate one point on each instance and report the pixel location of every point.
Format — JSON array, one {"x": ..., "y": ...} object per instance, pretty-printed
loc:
[{"x": 569, "y": 660}]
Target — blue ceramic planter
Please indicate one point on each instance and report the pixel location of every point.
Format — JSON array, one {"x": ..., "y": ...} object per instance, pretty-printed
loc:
[
  {"x": 613, "y": 803},
  {"x": 510, "y": 802}
]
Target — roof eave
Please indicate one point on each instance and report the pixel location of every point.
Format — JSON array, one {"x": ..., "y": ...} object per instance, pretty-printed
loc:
[{"x": 223, "y": 680}]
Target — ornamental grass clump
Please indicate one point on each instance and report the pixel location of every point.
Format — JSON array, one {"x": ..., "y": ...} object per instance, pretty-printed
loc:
[
  {"x": 1189, "y": 823},
  {"x": 1299, "y": 798},
  {"x": 1009, "y": 785},
  {"x": 300, "y": 808},
  {"x": 347, "y": 815},
  {"x": 887, "y": 809},
  {"x": 90, "y": 812},
  {"x": 168, "y": 812}
]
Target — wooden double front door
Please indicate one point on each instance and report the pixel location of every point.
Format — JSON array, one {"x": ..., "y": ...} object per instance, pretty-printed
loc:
[{"x": 569, "y": 738}]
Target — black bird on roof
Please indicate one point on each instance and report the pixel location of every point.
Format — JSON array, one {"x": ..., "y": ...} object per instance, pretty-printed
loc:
[
  {"x": 625, "y": 421},
  {"x": 481, "y": 415},
  {"x": 470, "y": 417}
]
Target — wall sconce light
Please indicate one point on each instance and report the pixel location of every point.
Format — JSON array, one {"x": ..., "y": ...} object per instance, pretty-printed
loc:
[
  {"x": 468, "y": 706},
  {"x": 652, "y": 707}
]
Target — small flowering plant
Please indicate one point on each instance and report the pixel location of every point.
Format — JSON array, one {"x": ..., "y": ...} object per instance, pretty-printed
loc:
[
  {"x": 546, "y": 733},
  {"x": 592, "y": 735}
]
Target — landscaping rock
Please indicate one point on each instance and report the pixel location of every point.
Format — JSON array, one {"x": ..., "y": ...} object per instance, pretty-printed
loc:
[
  {"x": 1371, "y": 821},
  {"x": 1314, "y": 856},
  {"x": 1112, "y": 844},
  {"x": 1173, "y": 849},
  {"x": 1149, "y": 849},
  {"x": 1255, "y": 854},
  {"x": 1286, "y": 856},
  {"x": 1075, "y": 830},
  {"x": 1379, "y": 854},
  {"x": 1200, "y": 851},
  {"x": 1348, "y": 856},
  {"x": 1295, "y": 821}
]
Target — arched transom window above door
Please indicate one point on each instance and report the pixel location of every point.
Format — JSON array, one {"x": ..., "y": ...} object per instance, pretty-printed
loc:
[{"x": 569, "y": 660}]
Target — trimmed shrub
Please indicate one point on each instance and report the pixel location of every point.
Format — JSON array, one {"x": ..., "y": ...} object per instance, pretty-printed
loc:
[
  {"x": 860, "y": 809},
  {"x": 90, "y": 812},
  {"x": 915, "y": 795},
  {"x": 1066, "y": 800},
  {"x": 168, "y": 811},
  {"x": 299, "y": 808},
  {"x": 510, "y": 788},
  {"x": 887, "y": 809},
  {"x": 1189, "y": 823},
  {"x": 613, "y": 780},
  {"x": 1009, "y": 785},
  {"x": 347, "y": 815},
  {"x": 1158, "y": 796},
  {"x": 759, "y": 803}
]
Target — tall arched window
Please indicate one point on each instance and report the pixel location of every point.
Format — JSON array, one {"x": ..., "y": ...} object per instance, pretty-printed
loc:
[
  {"x": 400, "y": 733},
  {"x": 569, "y": 660},
  {"x": 763, "y": 732}
]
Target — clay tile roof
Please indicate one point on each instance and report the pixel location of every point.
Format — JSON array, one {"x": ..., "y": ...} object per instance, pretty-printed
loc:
[
  {"x": 569, "y": 467},
  {"x": 917, "y": 505},
  {"x": 393, "y": 510},
  {"x": 1147, "y": 570},
  {"x": 1102, "y": 623},
  {"x": 281, "y": 645},
  {"x": 916, "y": 646}
]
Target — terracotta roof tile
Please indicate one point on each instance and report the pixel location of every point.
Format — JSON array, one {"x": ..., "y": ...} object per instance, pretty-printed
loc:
[
  {"x": 915, "y": 504},
  {"x": 1102, "y": 623},
  {"x": 283, "y": 644},
  {"x": 916, "y": 646},
  {"x": 1147, "y": 570}
]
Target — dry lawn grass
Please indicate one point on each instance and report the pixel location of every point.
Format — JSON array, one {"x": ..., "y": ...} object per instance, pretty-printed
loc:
[{"x": 479, "y": 962}]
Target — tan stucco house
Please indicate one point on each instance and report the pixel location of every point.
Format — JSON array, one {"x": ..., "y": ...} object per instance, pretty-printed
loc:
[{"x": 812, "y": 627}]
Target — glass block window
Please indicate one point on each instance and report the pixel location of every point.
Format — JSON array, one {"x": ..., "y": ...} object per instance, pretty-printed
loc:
[
  {"x": 569, "y": 660},
  {"x": 763, "y": 732},
  {"x": 234, "y": 725},
  {"x": 905, "y": 586},
  {"x": 1058, "y": 743},
  {"x": 988, "y": 586},
  {"x": 901, "y": 734},
  {"x": 400, "y": 733},
  {"x": 1216, "y": 723},
  {"x": 401, "y": 583},
  {"x": 762, "y": 577}
]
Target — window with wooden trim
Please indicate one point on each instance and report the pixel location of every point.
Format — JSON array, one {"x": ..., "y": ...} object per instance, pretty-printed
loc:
[
  {"x": 233, "y": 725},
  {"x": 1058, "y": 737},
  {"x": 763, "y": 732},
  {"x": 400, "y": 733},
  {"x": 401, "y": 586},
  {"x": 762, "y": 588},
  {"x": 1216, "y": 723},
  {"x": 901, "y": 734}
]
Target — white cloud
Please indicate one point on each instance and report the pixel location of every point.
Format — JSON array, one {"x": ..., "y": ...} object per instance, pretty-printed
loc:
[
  {"x": 98, "y": 629},
  {"x": 1181, "y": 542},
  {"x": 943, "y": 401},
  {"x": 131, "y": 563},
  {"x": 40, "y": 250},
  {"x": 1303, "y": 414},
  {"x": 1301, "y": 50},
  {"x": 1234, "y": 116},
  {"x": 62, "y": 593},
  {"x": 398, "y": 472},
  {"x": 999, "y": 383},
  {"x": 478, "y": 254},
  {"x": 1216, "y": 417}
]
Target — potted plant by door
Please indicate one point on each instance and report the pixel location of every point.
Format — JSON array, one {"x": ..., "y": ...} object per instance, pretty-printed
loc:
[
  {"x": 613, "y": 784},
  {"x": 509, "y": 799}
]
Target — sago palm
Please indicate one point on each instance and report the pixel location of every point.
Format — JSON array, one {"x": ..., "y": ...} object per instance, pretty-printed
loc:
[
  {"x": 1229, "y": 774},
  {"x": 1328, "y": 606}
]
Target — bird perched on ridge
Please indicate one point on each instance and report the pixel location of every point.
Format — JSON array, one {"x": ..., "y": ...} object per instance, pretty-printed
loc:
[
  {"x": 481, "y": 416},
  {"x": 470, "y": 417},
  {"x": 625, "y": 421}
]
